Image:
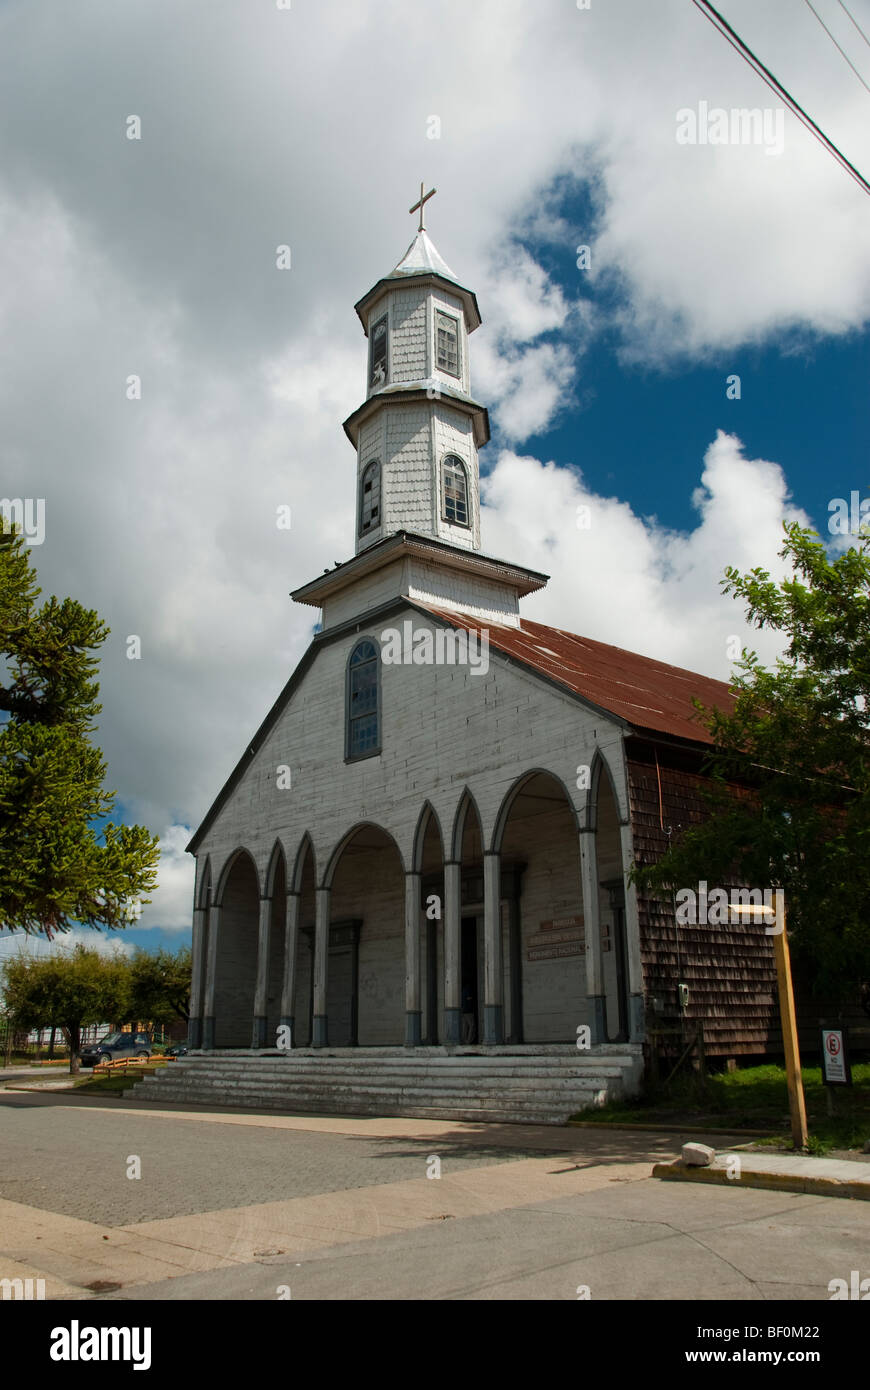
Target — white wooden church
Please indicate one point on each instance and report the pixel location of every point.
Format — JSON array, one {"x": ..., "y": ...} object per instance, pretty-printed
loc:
[{"x": 412, "y": 892}]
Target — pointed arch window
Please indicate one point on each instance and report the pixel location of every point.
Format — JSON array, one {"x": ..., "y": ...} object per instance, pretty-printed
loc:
[
  {"x": 454, "y": 489},
  {"x": 363, "y": 701},
  {"x": 370, "y": 498}
]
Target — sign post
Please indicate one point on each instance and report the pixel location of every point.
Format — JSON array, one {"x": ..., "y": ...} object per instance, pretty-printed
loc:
[
  {"x": 796, "y": 1102},
  {"x": 836, "y": 1068}
]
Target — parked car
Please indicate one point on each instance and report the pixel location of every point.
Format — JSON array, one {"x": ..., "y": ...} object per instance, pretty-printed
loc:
[
  {"x": 114, "y": 1046},
  {"x": 177, "y": 1050}
]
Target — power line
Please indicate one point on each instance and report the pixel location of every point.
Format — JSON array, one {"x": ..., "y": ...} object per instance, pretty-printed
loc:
[
  {"x": 855, "y": 22},
  {"x": 811, "y": 6},
  {"x": 767, "y": 76}
]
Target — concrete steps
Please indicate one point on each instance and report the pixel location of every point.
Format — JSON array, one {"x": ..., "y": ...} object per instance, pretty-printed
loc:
[{"x": 544, "y": 1085}]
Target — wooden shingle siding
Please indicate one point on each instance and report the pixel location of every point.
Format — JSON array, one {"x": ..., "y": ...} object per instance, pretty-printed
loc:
[{"x": 729, "y": 969}]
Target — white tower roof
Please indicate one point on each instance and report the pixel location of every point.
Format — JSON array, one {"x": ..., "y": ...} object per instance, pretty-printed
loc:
[{"x": 422, "y": 257}]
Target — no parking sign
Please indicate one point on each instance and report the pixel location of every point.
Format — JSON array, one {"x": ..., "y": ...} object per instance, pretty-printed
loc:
[{"x": 835, "y": 1059}]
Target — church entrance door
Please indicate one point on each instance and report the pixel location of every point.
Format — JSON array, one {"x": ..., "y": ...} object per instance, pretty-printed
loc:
[
  {"x": 342, "y": 988},
  {"x": 470, "y": 978},
  {"x": 339, "y": 1001}
]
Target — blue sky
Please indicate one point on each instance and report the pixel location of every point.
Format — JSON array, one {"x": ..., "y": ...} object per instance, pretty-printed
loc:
[
  {"x": 804, "y": 401},
  {"x": 807, "y": 406}
]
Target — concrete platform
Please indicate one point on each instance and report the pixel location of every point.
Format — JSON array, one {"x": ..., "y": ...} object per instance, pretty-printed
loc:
[
  {"x": 543, "y": 1084},
  {"x": 821, "y": 1177}
]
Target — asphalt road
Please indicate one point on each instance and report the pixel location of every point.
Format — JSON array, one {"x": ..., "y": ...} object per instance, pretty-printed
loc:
[
  {"x": 73, "y": 1159},
  {"x": 242, "y": 1206}
]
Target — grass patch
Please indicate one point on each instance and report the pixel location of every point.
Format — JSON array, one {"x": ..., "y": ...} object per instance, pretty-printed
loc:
[
  {"x": 115, "y": 1082},
  {"x": 753, "y": 1098}
]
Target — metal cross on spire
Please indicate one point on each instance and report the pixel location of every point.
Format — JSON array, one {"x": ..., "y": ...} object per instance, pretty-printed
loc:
[{"x": 424, "y": 198}]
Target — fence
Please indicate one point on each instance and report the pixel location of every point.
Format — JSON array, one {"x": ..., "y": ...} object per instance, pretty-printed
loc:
[
  {"x": 675, "y": 1049},
  {"x": 123, "y": 1063}
]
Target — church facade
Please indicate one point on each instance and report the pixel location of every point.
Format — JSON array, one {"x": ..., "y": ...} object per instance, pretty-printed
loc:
[{"x": 427, "y": 843}]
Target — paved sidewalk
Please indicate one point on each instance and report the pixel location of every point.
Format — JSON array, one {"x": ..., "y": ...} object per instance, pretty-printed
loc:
[
  {"x": 65, "y": 1082},
  {"x": 822, "y": 1177},
  {"x": 28, "y": 1072}
]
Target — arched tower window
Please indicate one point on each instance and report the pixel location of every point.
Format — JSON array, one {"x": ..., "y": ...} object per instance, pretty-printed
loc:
[
  {"x": 363, "y": 721},
  {"x": 454, "y": 487},
  {"x": 370, "y": 498}
]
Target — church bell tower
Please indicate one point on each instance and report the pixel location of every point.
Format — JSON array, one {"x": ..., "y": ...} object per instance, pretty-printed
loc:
[
  {"x": 418, "y": 432},
  {"x": 417, "y": 436}
]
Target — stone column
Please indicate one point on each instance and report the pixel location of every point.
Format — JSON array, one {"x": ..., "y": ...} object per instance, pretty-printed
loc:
[
  {"x": 413, "y": 1007},
  {"x": 452, "y": 953},
  {"x": 288, "y": 990},
  {"x": 214, "y": 924},
  {"x": 636, "y": 1025},
  {"x": 320, "y": 1023},
  {"x": 493, "y": 970},
  {"x": 595, "y": 996},
  {"x": 258, "y": 1038},
  {"x": 197, "y": 954}
]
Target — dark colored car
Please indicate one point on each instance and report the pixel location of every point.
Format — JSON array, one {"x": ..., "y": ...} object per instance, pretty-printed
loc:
[
  {"x": 177, "y": 1050},
  {"x": 114, "y": 1046}
]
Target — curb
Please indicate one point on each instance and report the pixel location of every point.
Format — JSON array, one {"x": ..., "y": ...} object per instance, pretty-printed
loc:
[
  {"x": 60, "y": 1091},
  {"x": 779, "y": 1182},
  {"x": 38, "y": 1087}
]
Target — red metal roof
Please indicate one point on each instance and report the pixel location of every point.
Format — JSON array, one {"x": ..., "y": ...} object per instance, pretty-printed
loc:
[{"x": 648, "y": 694}]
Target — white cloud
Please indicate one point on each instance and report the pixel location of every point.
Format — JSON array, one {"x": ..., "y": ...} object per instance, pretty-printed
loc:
[
  {"x": 524, "y": 301},
  {"x": 628, "y": 580},
  {"x": 526, "y": 383},
  {"x": 171, "y": 905},
  {"x": 527, "y": 388},
  {"x": 14, "y": 944}
]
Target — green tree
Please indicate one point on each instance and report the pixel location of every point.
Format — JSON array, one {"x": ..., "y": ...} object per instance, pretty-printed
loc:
[
  {"x": 54, "y": 871},
  {"x": 796, "y": 742},
  {"x": 67, "y": 990},
  {"x": 160, "y": 985}
]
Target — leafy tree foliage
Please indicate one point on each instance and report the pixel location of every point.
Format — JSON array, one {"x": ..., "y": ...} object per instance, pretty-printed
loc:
[
  {"x": 160, "y": 985},
  {"x": 797, "y": 742},
  {"x": 54, "y": 872},
  {"x": 67, "y": 990}
]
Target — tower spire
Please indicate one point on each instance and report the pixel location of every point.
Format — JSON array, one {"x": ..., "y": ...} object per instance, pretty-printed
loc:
[
  {"x": 424, "y": 198},
  {"x": 418, "y": 431}
]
